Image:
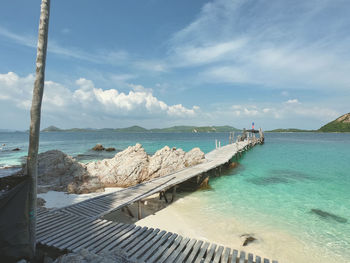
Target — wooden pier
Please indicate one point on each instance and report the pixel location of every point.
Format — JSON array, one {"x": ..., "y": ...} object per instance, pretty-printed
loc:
[{"x": 80, "y": 226}]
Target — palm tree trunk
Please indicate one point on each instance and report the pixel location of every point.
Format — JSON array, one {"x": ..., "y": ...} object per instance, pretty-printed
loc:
[{"x": 35, "y": 113}]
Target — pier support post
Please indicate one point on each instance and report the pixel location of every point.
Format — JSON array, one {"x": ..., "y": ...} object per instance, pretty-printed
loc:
[
  {"x": 139, "y": 208},
  {"x": 173, "y": 194}
]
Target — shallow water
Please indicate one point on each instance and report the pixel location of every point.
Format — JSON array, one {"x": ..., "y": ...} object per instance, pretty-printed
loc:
[{"x": 297, "y": 184}]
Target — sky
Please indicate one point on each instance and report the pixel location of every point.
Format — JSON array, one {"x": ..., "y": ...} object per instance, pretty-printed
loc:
[{"x": 160, "y": 63}]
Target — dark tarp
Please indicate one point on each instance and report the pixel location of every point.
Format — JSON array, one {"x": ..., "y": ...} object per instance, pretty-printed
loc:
[{"x": 14, "y": 236}]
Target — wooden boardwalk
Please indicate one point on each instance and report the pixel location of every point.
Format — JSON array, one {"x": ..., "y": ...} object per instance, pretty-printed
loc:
[
  {"x": 138, "y": 244},
  {"x": 79, "y": 226},
  {"x": 104, "y": 204}
]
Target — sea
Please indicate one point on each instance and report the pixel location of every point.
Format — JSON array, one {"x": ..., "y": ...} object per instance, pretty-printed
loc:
[{"x": 298, "y": 183}]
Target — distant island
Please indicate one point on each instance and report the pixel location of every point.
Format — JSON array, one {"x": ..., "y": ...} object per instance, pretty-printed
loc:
[
  {"x": 341, "y": 124},
  {"x": 136, "y": 129}
]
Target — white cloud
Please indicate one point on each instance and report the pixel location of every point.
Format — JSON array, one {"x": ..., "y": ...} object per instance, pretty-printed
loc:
[
  {"x": 293, "y": 101},
  {"x": 271, "y": 43},
  {"x": 92, "y": 101}
]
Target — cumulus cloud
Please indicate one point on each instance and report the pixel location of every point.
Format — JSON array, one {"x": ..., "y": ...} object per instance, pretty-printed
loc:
[{"x": 91, "y": 101}]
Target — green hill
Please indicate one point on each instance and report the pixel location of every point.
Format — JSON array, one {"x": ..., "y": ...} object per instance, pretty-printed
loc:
[
  {"x": 51, "y": 129},
  {"x": 135, "y": 129},
  {"x": 290, "y": 130},
  {"x": 341, "y": 124}
]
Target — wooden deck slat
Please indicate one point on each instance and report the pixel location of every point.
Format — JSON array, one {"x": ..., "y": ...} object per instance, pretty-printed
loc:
[
  {"x": 84, "y": 243},
  {"x": 266, "y": 260},
  {"x": 183, "y": 254},
  {"x": 194, "y": 252},
  {"x": 173, "y": 252},
  {"x": 49, "y": 233},
  {"x": 106, "y": 239},
  {"x": 145, "y": 247},
  {"x": 86, "y": 235},
  {"x": 155, "y": 246},
  {"x": 210, "y": 254},
  {"x": 163, "y": 248},
  {"x": 74, "y": 233},
  {"x": 257, "y": 259},
  {"x": 140, "y": 245},
  {"x": 242, "y": 257},
  {"x": 55, "y": 223},
  {"x": 202, "y": 252},
  {"x": 225, "y": 256},
  {"x": 218, "y": 254},
  {"x": 105, "y": 244},
  {"x": 121, "y": 238},
  {"x": 139, "y": 239},
  {"x": 234, "y": 257},
  {"x": 130, "y": 239},
  {"x": 250, "y": 258}
]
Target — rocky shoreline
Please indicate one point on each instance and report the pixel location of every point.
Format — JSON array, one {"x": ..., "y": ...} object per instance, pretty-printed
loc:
[{"x": 58, "y": 171}]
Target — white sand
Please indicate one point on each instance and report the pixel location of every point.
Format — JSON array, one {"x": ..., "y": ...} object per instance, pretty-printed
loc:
[
  {"x": 60, "y": 199},
  {"x": 188, "y": 217}
]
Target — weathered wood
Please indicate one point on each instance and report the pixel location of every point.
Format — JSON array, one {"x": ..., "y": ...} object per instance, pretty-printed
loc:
[
  {"x": 170, "y": 250},
  {"x": 137, "y": 240},
  {"x": 225, "y": 256},
  {"x": 194, "y": 252},
  {"x": 121, "y": 238},
  {"x": 139, "y": 210},
  {"x": 140, "y": 250},
  {"x": 210, "y": 253},
  {"x": 234, "y": 256},
  {"x": 257, "y": 259},
  {"x": 250, "y": 258},
  {"x": 186, "y": 252},
  {"x": 218, "y": 254},
  {"x": 158, "y": 252},
  {"x": 156, "y": 246},
  {"x": 242, "y": 257},
  {"x": 202, "y": 252},
  {"x": 266, "y": 260},
  {"x": 178, "y": 250}
]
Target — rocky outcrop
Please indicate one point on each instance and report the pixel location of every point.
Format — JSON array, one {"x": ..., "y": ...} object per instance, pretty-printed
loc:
[
  {"x": 60, "y": 172},
  {"x": 98, "y": 147}
]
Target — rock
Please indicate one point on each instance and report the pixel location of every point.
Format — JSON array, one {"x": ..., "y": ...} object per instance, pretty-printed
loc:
[
  {"x": 16, "y": 149},
  {"x": 114, "y": 256},
  {"x": 248, "y": 238},
  {"x": 110, "y": 149},
  {"x": 205, "y": 184},
  {"x": 233, "y": 165},
  {"x": 98, "y": 147},
  {"x": 126, "y": 168},
  {"x": 40, "y": 202},
  {"x": 327, "y": 215},
  {"x": 60, "y": 172}
]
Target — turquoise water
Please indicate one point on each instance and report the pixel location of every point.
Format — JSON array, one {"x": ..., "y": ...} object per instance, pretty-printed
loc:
[{"x": 296, "y": 182}]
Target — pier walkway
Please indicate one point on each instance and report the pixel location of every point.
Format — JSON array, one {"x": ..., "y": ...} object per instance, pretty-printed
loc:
[{"x": 80, "y": 226}]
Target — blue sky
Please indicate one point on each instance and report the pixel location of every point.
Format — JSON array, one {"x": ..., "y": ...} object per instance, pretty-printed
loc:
[{"x": 159, "y": 63}]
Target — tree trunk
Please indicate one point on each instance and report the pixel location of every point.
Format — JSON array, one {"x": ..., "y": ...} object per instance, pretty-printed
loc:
[{"x": 35, "y": 113}]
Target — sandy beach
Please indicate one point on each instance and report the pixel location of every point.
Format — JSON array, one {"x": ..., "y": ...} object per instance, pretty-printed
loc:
[{"x": 188, "y": 216}]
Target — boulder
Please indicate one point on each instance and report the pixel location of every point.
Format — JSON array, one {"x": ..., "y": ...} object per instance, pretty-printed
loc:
[
  {"x": 98, "y": 147},
  {"x": 16, "y": 149},
  {"x": 126, "y": 168},
  {"x": 60, "y": 172},
  {"x": 110, "y": 149}
]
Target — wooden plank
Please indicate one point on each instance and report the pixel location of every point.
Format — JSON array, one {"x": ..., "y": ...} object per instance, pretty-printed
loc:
[
  {"x": 194, "y": 252},
  {"x": 274, "y": 261},
  {"x": 102, "y": 246},
  {"x": 202, "y": 252},
  {"x": 73, "y": 229},
  {"x": 121, "y": 238},
  {"x": 210, "y": 254},
  {"x": 138, "y": 240},
  {"x": 250, "y": 258},
  {"x": 234, "y": 257},
  {"x": 172, "y": 253},
  {"x": 185, "y": 253},
  {"x": 140, "y": 246},
  {"x": 266, "y": 260},
  {"x": 87, "y": 235},
  {"x": 143, "y": 247},
  {"x": 225, "y": 255},
  {"x": 242, "y": 257},
  {"x": 162, "y": 248},
  {"x": 57, "y": 242},
  {"x": 156, "y": 246},
  {"x": 218, "y": 254},
  {"x": 257, "y": 259},
  {"x": 105, "y": 240},
  {"x": 50, "y": 232},
  {"x": 84, "y": 243},
  {"x": 55, "y": 224},
  {"x": 132, "y": 238}
]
